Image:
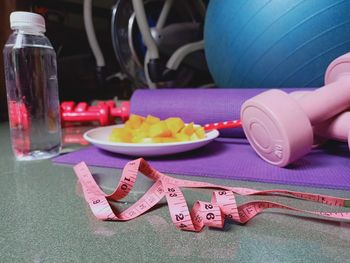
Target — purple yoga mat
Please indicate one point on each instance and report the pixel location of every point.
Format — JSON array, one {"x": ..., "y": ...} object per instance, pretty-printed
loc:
[
  {"x": 234, "y": 159},
  {"x": 201, "y": 106},
  {"x": 228, "y": 158}
]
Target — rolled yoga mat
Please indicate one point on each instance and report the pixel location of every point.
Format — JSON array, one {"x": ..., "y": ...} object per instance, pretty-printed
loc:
[{"x": 201, "y": 106}]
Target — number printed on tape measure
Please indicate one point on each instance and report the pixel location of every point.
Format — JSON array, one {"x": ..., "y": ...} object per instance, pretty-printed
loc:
[{"x": 213, "y": 214}]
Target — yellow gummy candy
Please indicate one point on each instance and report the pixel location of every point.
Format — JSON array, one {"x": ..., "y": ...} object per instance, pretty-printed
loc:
[
  {"x": 151, "y": 119},
  {"x": 151, "y": 129},
  {"x": 134, "y": 121},
  {"x": 159, "y": 129},
  {"x": 200, "y": 132},
  {"x": 175, "y": 125},
  {"x": 188, "y": 129},
  {"x": 182, "y": 137},
  {"x": 120, "y": 135}
]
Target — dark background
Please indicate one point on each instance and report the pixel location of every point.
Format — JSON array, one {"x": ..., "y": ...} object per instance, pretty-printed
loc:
[{"x": 77, "y": 77}]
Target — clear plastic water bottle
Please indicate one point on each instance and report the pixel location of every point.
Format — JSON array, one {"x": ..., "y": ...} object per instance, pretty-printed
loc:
[{"x": 32, "y": 89}]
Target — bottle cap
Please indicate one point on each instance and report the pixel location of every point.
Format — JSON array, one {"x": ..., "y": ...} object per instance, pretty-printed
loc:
[{"x": 27, "y": 21}]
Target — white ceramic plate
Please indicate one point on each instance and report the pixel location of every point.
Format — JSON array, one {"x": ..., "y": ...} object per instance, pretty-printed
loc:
[{"x": 99, "y": 138}]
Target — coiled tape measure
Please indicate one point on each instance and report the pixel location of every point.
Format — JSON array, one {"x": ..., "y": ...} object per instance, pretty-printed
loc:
[{"x": 212, "y": 214}]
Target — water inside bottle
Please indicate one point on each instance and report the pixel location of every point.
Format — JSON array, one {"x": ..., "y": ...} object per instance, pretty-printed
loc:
[{"x": 32, "y": 94}]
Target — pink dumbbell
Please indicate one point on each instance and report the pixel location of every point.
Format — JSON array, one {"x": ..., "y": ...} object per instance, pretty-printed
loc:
[
  {"x": 279, "y": 127},
  {"x": 337, "y": 128}
]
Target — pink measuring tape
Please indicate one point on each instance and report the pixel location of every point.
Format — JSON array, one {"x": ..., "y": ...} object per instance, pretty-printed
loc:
[{"x": 213, "y": 214}]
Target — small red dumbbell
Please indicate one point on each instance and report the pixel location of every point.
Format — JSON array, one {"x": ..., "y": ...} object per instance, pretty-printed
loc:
[{"x": 105, "y": 112}]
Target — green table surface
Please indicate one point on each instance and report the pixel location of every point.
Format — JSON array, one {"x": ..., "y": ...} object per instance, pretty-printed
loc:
[{"x": 44, "y": 218}]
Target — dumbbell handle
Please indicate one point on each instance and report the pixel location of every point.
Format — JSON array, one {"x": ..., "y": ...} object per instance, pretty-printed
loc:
[
  {"x": 337, "y": 128},
  {"x": 321, "y": 104},
  {"x": 122, "y": 112}
]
